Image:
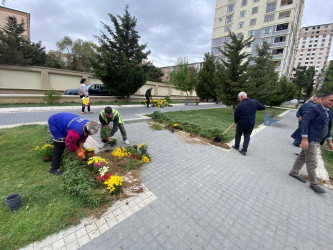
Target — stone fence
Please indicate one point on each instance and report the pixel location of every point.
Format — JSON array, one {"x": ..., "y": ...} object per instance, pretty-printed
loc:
[{"x": 30, "y": 82}]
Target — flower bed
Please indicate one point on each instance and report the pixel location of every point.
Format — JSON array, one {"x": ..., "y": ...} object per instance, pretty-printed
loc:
[{"x": 94, "y": 179}]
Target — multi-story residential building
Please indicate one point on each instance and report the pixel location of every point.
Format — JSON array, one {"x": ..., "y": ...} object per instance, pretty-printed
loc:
[
  {"x": 166, "y": 70},
  {"x": 276, "y": 21},
  {"x": 5, "y": 13},
  {"x": 314, "y": 46}
]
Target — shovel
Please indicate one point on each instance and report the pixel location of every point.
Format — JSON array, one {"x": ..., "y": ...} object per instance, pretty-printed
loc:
[{"x": 220, "y": 138}]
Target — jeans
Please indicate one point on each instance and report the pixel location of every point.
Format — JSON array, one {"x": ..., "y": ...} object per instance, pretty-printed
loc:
[
  {"x": 309, "y": 157},
  {"x": 148, "y": 100},
  {"x": 246, "y": 131}
]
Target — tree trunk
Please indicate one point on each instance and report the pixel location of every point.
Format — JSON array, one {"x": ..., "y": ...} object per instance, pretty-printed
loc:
[{"x": 129, "y": 98}]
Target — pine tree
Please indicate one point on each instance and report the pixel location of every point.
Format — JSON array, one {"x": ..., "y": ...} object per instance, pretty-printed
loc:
[
  {"x": 232, "y": 73},
  {"x": 118, "y": 63},
  {"x": 263, "y": 79},
  {"x": 16, "y": 49},
  {"x": 183, "y": 77},
  {"x": 282, "y": 92},
  {"x": 206, "y": 86}
]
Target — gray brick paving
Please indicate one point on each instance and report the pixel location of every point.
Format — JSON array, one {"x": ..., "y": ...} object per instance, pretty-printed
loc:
[{"x": 209, "y": 198}]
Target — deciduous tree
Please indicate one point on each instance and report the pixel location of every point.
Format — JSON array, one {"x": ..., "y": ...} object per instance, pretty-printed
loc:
[{"x": 183, "y": 77}]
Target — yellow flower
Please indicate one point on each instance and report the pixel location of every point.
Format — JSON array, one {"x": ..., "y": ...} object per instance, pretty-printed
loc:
[
  {"x": 113, "y": 182},
  {"x": 175, "y": 125},
  {"x": 36, "y": 148},
  {"x": 89, "y": 149},
  {"x": 142, "y": 144},
  {"x": 145, "y": 159}
]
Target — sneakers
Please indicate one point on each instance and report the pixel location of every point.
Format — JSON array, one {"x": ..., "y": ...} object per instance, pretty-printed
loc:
[
  {"x": 56, "y": 171},
  {"x": 297, "y": 177},
  {"x": 127, "y": 142},
  {"x": 83, "y": 112},
  {"x": 317, "y": 189}
]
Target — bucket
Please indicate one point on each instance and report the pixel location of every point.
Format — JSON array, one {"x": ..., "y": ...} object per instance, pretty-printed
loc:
[{"x": 14, "y": 202}]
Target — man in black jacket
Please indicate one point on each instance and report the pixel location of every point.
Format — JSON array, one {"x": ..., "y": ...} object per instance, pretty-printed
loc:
[{"x": 245, "y": 117}]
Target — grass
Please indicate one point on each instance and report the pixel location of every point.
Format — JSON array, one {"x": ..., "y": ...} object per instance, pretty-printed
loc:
[
  {"x": 45, "y": 209},
  {"x": 211, "y": 122},
  {"x": 328, "y": 159}
]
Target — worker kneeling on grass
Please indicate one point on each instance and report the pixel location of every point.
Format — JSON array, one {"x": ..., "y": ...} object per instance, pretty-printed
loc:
[
  {"x": 71, "y": 131},
  {"x": 112, "y": 115}
]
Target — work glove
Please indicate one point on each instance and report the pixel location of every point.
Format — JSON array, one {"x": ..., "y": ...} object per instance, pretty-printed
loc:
[
  {"x": 111, "y": 138},
  {"x": 82, "y": 150},
  {"x": 81, "y": 155}
]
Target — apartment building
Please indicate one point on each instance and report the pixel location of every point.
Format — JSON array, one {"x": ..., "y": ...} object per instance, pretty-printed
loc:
[
  {"x": 314, "y": 46},
  {"x": 276, "y": 21},
  {"x": 6, "y": 12},
  {"x": 166, "y": 70}
]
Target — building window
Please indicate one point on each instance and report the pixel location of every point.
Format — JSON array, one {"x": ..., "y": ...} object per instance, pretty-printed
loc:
[
  {"x": 277, "y": 51},
  {"x": 280, "y": 27},
  {"x": 303, "y": 46},
  {"x": 266, "y": 31},
  {"x": 253, "y": 21},
  {"x": 279, "y": 39},
  {"x": 240, "y": 25},
  {"x": 231, "y": 8},
  {"x": 251, "y": 33},
  {"x": 228, "y": 19},
  {"x": 269, "y": 18},
  {"x": 306, "y": 28},
  {"x": 242, "y": 13},
  {"x": 239, "y": 35},
  {"x": 326, "y": 26},
  {"x": 255, "y": 10},
  {"x": 244, "y": 3},
  {"x": 227, "y": 28},
  {"x": 270, "y": 7},
  {"x": 286, "y": 2}
]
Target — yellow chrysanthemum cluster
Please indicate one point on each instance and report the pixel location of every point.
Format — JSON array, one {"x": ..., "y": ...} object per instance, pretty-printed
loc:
[
  {"x": 145, "y": 159},
  {"x": 97, "y": 159},
  {"x": 175, "y": 125},
  {"x": 142, "y": 144},
  {"x": 113, "y": 182},
  {"x": 120, "y": 152},
  {"x": 89, "y": 149},
  {"x": 160, "y": 103}
]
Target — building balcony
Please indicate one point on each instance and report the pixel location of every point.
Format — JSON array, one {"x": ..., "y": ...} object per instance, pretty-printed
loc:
[{"x": 278, "y": 56}]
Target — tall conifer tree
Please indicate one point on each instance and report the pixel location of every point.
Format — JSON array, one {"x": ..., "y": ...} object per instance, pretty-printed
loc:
[
  {"x": 232, "y": 75},
  {"x": 118, "y": 63},
  {"x": 206, "y": 86}
]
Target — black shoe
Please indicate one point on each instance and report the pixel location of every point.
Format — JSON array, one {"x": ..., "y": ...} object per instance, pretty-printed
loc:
[
  {"x": 317, "y": 189},
  {"x": 301, "y": 179},
  {"x": 242, "y": 152},
  {"x": 234, "y": 147},
  {"x": 56, "y": 171}
]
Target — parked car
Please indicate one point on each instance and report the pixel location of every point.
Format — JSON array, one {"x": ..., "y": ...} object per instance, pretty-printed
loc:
[{"x": 93, "y": 89}]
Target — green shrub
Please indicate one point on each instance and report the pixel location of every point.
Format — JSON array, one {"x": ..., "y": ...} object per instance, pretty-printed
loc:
[
  {"x": 132, "y": 164},
  {"x": 156, "y": 126},
  {"x": 52, "y": 97},
  {"x": 167, "y": 98}
]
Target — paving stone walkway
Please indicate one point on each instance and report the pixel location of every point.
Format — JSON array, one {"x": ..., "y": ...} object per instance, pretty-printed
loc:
[{"x": 204, "y": 197}]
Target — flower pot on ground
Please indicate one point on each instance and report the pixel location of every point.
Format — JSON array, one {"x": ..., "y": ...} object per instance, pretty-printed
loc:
[{"x": 13, "y": 202}]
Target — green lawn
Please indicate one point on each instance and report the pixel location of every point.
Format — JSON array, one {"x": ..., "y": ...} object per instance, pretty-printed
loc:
[
  {"x": 211, "y": 122},
  {"x": 328, "y": 159},
  {"x": 45, "y": 208}
]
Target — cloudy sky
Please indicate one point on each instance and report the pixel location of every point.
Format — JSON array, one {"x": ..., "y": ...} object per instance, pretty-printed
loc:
[{"x": 172, "y": 28}]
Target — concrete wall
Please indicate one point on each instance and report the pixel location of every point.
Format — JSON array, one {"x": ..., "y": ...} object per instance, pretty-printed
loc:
[{"x": 37, "y": 80}]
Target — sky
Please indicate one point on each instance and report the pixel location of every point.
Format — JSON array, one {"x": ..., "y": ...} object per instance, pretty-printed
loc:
[{"x": 172, "y": 29}]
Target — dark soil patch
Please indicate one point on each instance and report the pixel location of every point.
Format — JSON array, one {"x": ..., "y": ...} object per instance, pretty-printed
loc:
[{"x": 195, "y": 138}]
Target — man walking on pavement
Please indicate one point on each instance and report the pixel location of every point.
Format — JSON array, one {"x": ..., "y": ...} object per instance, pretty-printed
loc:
[
  {"x": 108, "y": 115},
  {"x": 245, "y": 117},
  {"x": 148, "y": 96},
  {"x": 315, "y": 127},
  {"x": 300, "y": 112}
]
